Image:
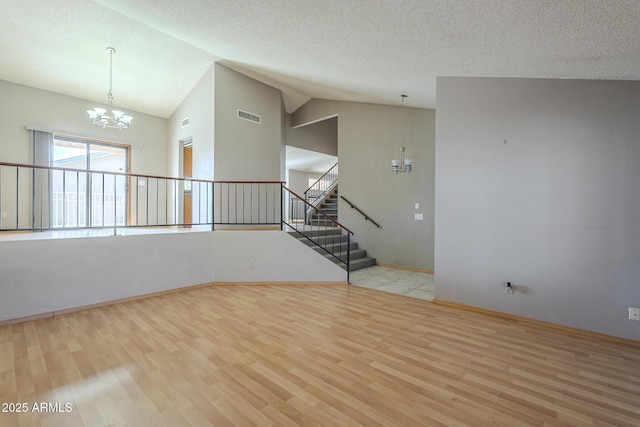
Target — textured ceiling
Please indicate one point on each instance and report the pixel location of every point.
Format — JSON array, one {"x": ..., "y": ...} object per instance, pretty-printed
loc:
[{"x": 357, "y": 50}]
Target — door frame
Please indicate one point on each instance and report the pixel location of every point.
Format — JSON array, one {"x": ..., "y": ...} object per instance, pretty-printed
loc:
[{"x": 186, "y": 145}]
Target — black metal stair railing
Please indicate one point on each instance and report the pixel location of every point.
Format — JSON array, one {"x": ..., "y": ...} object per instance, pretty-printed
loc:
[
  {"x": 326, "y": 233},
  {"x": 323, "y": 186}
]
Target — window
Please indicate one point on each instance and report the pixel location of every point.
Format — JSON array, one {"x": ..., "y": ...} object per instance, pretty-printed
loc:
[{"x": 90, "y": 195}]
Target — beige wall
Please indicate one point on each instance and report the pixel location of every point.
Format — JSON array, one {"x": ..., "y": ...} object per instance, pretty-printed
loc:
[
  {"x": 23, "y": 105},
  {"x": 146, "y": 264},
  {"x": 299, "y": 181},
  {"x": 368, "y": 138},
  {"x": 198, "y": 106}
]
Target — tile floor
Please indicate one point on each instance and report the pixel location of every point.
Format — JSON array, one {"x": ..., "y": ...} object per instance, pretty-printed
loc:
[{"x": 396, "y": 281}]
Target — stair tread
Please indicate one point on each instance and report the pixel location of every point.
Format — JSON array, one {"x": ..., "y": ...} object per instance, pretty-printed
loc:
[
  {"x": 358, "y": 257},
  {"x": 354, "y": 255}
]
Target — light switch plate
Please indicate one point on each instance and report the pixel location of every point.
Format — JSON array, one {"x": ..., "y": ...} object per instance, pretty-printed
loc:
[
  {"x": 419, "y": 217},
  {"x": 417, "y": 205}
]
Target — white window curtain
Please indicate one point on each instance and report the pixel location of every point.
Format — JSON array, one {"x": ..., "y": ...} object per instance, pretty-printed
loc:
[{"x": 42, "y": 190}]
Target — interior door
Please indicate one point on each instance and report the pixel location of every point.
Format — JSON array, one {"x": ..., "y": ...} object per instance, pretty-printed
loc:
[{"x": 187, "y": 172}]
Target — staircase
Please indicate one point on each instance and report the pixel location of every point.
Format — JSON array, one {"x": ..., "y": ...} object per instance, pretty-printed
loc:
[
  {"x": 329, "y": 206},
  {"x": 321, "y": 229},
  {"x": 334, "y": 241}
]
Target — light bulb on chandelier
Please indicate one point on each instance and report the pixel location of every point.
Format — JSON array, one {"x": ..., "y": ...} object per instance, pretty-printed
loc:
[{"x": 112, "y": 118}]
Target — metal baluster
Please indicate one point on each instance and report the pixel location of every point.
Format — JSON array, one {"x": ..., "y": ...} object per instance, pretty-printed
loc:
[
  {"x": 1, "y": 219},
  {"x": 348, "y": 257},
  {"x": 88, "y": 200},
  {"x": 214, "y": 204},
  {"x": 64, "y": 197},
  {"x": 114, "y": 197},
  {"x": 33, "y": 198},
  {"x": 17, "y": 198},
  {"x": 77, "y": 199},
  {"x": 137, "y": 199},
  {"x": 115, "y": 206},
  {"x": 146, "y": 208},
  {"x": 157, "y": 201},
  {"x": 281, "y": 205}
]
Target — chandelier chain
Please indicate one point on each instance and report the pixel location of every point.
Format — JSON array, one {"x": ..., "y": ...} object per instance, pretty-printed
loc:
[
  {"x": 110, "y": 94},
  {"x": 402, "y": 120}
]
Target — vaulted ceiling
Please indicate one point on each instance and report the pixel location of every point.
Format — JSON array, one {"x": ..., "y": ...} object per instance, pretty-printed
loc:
[{"x": 356, "y": 50}]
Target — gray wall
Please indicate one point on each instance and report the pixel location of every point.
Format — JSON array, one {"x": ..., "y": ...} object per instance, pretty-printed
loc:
[
  {"x": 368, "y": 139},
  {"x": 537, "y": 184},
  {"x": 245, "y": 150},
  {"x": 321, "y": 137},
  {"x": 24, "y": 105}
]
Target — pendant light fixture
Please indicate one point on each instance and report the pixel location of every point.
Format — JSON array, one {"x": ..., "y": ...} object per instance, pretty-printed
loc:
[
  {"x": 402, "y": 165},
  {"x": 112, "y": 118}
]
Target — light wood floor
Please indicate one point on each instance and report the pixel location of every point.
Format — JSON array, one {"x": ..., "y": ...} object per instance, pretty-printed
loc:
[{"x": 310, "y": 355}]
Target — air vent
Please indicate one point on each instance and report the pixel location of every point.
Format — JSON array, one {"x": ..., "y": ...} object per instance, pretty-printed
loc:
[
  {"x": 185, "y": 122},
  {"x": 249, "y": 116}
]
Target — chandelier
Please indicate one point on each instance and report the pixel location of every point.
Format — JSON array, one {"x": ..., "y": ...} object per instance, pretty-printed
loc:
[
  {"x": 402, "y": 165},
  {"x": 113, "y": 118}
]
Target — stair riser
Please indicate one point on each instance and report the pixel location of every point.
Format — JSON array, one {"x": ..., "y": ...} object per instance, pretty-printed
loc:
[
  {"x": 321, "y": 240},
  {"x": 355, "y": 254},
  {"x": 362, "y": 263},
  {"x": 314, "y": 233},
  {"x": 358, "y": 257},
  {"x": 334, "y": 248}
]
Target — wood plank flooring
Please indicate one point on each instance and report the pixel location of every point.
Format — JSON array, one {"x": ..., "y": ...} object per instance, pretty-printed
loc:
[{"x": 308, "y": 356}]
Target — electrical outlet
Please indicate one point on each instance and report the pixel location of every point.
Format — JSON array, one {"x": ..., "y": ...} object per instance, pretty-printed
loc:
[
  {"x": 4, "y": 215},
  {"x": 252, "y": 264},
  {"x": 634, "y": 313},
  {"x": 508, "y": 288}
]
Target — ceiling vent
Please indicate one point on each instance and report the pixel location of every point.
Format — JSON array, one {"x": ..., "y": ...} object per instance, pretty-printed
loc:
[
  {"x": 249, "y": 116},
  {"x": 185, "y": 122}
]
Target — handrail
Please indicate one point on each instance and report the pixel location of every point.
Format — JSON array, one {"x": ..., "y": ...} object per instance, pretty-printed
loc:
[
  {"x": 366, "y": 217},
  {"x": 248, "y": 182},
  {"x": 317, "y": 209},
  {"x": 320, "y": 179},
  {"x": 58, "y": 168},
  {"x": 324, "y": 233}
]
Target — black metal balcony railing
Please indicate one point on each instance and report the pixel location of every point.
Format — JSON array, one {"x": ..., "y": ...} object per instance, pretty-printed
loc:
[
  {"x": 38, "y": 198},
  {"x": 35, "y": 198}
]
